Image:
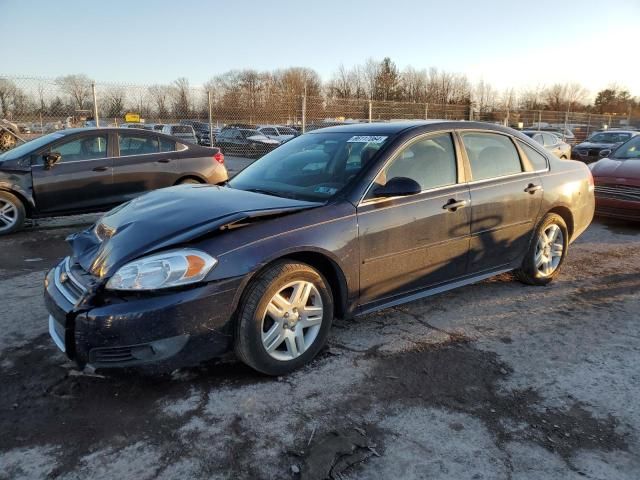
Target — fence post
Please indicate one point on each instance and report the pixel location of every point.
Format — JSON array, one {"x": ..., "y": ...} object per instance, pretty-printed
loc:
[
  {"x": 588, "y": 124},
  {"x": 370, "y": 110},
  {"x": 95, "y": 105},
  {"x": 304, "y": 113},
  {"x": 566, "y": 120},
  {"x": 609, "y": 121},
  {"x": 210, "y": 119},
  {"x": 539, "y": 119},
  {"x": 426, "y": 111}
]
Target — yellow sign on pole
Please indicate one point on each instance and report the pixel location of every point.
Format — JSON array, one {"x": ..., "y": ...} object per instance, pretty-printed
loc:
[{"x": 132, "y": 117}]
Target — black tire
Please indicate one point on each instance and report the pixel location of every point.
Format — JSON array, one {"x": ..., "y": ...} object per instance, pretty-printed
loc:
[
  {"x": 18, "y": 213},
  {"x": 529, "y": 272},
  {"x": 249, "y": 326},
  {"x": 188, "y": 181}
]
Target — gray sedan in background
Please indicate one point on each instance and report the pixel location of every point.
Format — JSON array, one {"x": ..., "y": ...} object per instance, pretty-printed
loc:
[{"x": 551, "y": 142}]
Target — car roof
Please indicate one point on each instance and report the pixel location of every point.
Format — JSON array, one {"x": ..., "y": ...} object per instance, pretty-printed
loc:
[
  {"x": 392, "y": 128},
  {"x": 615, "y": 130}
]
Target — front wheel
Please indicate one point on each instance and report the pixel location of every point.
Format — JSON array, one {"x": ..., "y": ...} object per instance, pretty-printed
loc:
[
  {"x": 12, "y": 213},
  {"x": 284, "y": 318},
  {"x": 546, "y": 253}
]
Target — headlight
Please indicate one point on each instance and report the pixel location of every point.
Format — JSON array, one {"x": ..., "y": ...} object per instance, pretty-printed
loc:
[{"x": 163, "y": 270}]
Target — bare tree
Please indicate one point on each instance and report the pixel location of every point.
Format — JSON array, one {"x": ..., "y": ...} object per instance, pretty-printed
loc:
[
  {"x": 484, "y": 96},
  {"x": 7, "y": 92},
  {"x": 77, "y": 87},
  {"x": 114, "y": 102},
  {"x": 160, "y": 97},
  {"x": 181, "y": 98}
]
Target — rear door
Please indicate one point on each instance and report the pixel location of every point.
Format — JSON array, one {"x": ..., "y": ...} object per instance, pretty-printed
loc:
[
  {"x": 412, "y": 242},
  {"x": 506, "y": 194},
  {"x": 145, "y": 161},
  {"x": 81, "y": 180}
]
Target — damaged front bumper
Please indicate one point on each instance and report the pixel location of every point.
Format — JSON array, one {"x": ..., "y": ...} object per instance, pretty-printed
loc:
[{"x": 106, "y": 329}]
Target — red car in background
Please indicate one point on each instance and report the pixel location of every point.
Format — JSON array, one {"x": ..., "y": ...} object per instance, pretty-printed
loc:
[{"x": 617, "y": 182}]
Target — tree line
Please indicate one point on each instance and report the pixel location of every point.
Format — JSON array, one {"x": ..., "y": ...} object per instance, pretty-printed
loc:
[{"x": 247, "y": 92}]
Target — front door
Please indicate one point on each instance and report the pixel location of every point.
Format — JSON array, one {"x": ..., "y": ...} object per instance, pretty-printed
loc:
[
  {"x": 82, "y": 178},
  {"x": 506, "y": 195},
  {"x": 412, "y": 242}
]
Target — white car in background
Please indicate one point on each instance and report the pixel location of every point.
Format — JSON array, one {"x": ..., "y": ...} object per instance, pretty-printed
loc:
[
  {"x": 183, "y": 132},
  {"x": 276, "y": 132}
]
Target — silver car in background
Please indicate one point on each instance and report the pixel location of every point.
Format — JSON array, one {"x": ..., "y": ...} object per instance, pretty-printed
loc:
[
  {"x": 276, "y": 132},
  {"x": 551, "y": 142},
  {"x": 183, "y": 132}
]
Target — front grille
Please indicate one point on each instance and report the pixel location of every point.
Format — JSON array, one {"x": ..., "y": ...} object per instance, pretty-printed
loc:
[
  {"x": 71, "y": 280},
  {"x": 628, "y": 193}
]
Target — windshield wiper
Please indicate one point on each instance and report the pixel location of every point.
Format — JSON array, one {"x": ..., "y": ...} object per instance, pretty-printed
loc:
[{"x": 265, "y": 192}]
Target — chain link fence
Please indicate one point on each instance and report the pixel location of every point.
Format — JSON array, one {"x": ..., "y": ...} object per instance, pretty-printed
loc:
[{"x": 30, "y": 107}]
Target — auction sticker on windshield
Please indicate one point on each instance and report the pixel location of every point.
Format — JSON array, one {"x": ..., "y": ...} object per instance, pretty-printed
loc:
[{"x": 367, "y": 139}]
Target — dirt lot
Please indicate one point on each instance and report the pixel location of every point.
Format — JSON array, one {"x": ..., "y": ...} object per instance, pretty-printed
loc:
[{"x": 495, "y": 380}]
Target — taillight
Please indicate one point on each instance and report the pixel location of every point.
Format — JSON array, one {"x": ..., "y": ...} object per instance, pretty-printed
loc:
[
  {"x": 591, "y": 183},
  {"x": 219, "y": 157}
]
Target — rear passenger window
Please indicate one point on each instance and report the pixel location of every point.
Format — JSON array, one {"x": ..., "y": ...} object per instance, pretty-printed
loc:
[
  {"x": 167, "y": 145},
  {"x": 430, "y": 161},
  {"x": 491, "y": 155},
  {"x": 538, "y": 161},
  {"x": 136, "y": 144}
]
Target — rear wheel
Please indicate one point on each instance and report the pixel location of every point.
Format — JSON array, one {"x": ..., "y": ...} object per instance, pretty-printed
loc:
[
  {"x": 546, "y": 253},
  {"x": 12, "y": 213},
  {"x": 284, "y": 318}
]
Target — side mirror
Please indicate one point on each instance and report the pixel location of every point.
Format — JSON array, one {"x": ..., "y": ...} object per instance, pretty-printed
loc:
[
  {"x": 50, "y": 159},
  {"x": 605, "y": 153},
  {"x": 398, "y": 187}
]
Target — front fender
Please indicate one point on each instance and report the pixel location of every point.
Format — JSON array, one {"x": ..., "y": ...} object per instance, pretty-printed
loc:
[{"x": 19, "y": 183}]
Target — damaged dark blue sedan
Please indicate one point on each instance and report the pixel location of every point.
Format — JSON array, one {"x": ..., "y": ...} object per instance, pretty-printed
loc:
[{"x": 335, "y": 223}]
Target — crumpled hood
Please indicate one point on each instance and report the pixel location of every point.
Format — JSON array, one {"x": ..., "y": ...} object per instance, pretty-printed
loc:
[
  {"x": 168, "y": 217},
  {"x": 610, "y": 167}
]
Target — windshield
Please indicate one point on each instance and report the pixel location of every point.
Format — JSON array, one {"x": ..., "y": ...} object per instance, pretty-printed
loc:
[
  {"x": 609, "y": 137},
  {"x": 312, "y": 167},
  {"x": 629, "y": 150},
  {"x": 253, "y": 133},
  {"x": 27, "y": 148}
]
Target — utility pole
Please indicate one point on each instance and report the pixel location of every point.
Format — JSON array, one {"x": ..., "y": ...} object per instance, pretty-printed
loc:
[{"x": 95, "y": 105}]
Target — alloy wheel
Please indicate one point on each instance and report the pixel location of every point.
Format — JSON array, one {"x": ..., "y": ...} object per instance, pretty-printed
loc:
[
  {"x": 292, "y": 320},
  {"x": 549, "y": 250},
  {"x": 8, "y": 215}
]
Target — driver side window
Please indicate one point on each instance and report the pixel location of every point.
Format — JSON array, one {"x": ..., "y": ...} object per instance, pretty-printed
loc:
[
  {"x": 84, "y": 148},
  {"x": 429, "y": 161}
]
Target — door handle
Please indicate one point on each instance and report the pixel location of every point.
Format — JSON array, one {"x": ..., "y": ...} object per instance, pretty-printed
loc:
[
  {"x": 531, "y": 188},
  {"x": 101, "y": 169},
  {"x": 164, "y": 160},
  {"x": 453, "y": 205}
]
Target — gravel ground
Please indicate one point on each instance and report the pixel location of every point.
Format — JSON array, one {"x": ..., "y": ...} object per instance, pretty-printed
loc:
[{"x": 495, "y": 380}]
